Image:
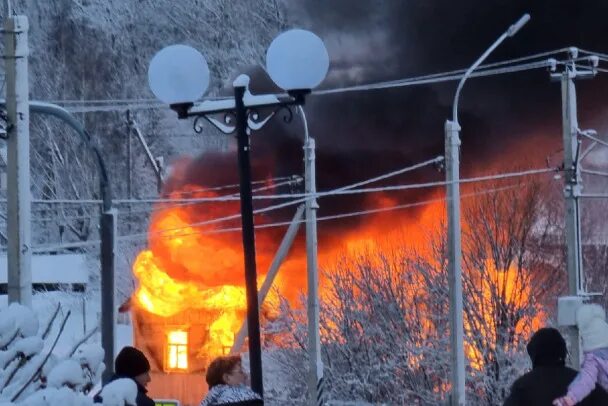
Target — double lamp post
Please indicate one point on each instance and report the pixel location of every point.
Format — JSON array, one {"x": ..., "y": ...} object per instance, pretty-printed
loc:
[{"x": 297, "y": 61}]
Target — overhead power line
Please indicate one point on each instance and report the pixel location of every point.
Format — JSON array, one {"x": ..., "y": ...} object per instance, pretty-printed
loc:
[
  {"x": 55, "y": 247},
  {"x": 496, "y": 68},
  {"x": 401, "y": 187}
]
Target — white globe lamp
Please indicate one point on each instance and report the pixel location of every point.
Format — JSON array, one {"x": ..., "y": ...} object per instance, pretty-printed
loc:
[
  {"x": 178, "y": 74},
  {"x": 297, "y": 61}
]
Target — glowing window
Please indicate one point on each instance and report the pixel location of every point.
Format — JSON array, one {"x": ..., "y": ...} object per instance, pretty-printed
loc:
[{"x": 177, "y": 350}]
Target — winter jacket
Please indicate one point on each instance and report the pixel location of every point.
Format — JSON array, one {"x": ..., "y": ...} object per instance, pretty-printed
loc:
[
  {"x": 594, "y": 371},
  {"x": 227, "y": 395},
  {"x": 142, "y": 398},
  {"x": 543, "y": 384}
]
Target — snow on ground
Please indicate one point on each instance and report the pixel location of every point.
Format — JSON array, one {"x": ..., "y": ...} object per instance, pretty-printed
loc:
[
  {"x": 84, "y": 315},
  {"x": 119, "y": 393}
]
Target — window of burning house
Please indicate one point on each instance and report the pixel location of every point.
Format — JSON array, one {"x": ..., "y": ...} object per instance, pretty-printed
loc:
[{"x": 177, "y": 351}]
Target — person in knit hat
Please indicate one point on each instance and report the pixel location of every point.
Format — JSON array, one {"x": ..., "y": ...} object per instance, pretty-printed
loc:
[
  {"x": 592, "y": 326},
  {"x": 131, "y": 363},
  {"x": 549, "y": 377}
]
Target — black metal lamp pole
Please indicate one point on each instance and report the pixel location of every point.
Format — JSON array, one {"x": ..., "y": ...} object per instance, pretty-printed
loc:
[
  {"x": 242, "y": 119},
  {"x": 181, "y": 89},
  {"x": 253, "y": 316}
]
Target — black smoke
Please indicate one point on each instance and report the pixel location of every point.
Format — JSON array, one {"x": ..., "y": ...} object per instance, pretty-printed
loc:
[{"x": 363, "y": 134}]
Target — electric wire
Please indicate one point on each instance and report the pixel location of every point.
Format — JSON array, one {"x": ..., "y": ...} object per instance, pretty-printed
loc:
[
  {"x": 591, "y": 137},
  {"x": 112, "y": 101},
  {"x": 345, "y": 190},
  {"x": 381, "y": 177},
  {"x": 354, "y": 213},
  {"x": 298, "y": 201},
  {"x": 302, "y": 200},
  {"x": 80, "y": 244},
  {"x": 484, "y": 70},
  {"x": 593, "y": 172}
]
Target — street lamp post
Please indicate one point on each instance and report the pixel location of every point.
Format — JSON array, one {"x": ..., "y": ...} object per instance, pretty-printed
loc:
[
  {"x": 452, "y": 156},
  {"x": 107, "y": 229},
  {"x": 297, "y": 61}
]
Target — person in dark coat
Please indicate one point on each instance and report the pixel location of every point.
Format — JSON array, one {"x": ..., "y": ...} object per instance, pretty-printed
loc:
[
  {"x": 550, "y": 377},
  {"x": 227, "y": 384},
  {"x": 132, "y": 363}
]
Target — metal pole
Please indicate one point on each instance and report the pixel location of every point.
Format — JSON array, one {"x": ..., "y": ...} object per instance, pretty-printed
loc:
[
  {"x": 108, "y": 309},
  {"x": 452, "y": 175},
  {"x": 572, "y": 191},
  {"x": 452, "y": 156},
  {"x": 253, "y": 316},
  {"x": 315, "y": 378},
  {"x": 107, "y": 229},
  {"x": 277, "y": 261},
  {"x": 18, "y": 165}
]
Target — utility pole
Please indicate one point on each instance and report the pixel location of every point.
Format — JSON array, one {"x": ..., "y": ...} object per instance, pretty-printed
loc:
[
  {"x": 573, "y": 187},
  {"x": 315, "y": 379},
  {"x": 18, "y": 151},
  {"x": 452, "y": 175}
]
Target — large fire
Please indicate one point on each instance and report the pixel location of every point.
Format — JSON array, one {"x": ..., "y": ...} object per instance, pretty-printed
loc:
[
  {"x": 192, "y": 265},
  {"x": 189, "y": 268}
]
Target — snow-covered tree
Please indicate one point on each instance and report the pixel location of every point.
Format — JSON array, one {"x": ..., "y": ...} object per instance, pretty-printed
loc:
[
  {"x": 32, "y": 374},
  {"x": 512, "y": 275},
  {"x": 384, "y": 314}
]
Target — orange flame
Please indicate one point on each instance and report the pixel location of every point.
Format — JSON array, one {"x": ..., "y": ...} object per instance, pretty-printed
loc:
[{"x": 189, "y": 269}]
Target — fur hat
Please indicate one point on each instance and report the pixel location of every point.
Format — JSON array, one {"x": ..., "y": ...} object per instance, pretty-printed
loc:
[{"x": 591, "y": 322}]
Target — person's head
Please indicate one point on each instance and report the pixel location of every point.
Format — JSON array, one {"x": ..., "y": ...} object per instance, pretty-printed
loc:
[
  {"x": 132, "y": 363},
  {"x": 592, "y": 326},
  {"x": 547, "y": 347},
  {"x": 226, "y": 370}
]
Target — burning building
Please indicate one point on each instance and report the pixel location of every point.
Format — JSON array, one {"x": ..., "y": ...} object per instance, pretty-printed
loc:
[{"x": 190, "y": 301}]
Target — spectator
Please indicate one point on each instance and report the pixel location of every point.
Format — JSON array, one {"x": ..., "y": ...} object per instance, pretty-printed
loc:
[
  {"x": 592, "y": 326},
  {"x": 131, "y": 363},
  {"x": 549, "y": 377},
  {"x": 227, "y": 384}
]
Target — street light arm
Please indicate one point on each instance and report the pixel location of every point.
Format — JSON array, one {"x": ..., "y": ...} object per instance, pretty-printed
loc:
[
  {"x": 511, "y": 31},
  {"x": 470, "y": 70},
  {"x": 64, "y": 115}
]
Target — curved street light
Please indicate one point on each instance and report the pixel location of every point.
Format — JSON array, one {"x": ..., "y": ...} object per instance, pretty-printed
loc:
[
  {"x": 452, "y": 173},
  {"x": 107, "y": 226},
  {"x": 297, "y": 61}
]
